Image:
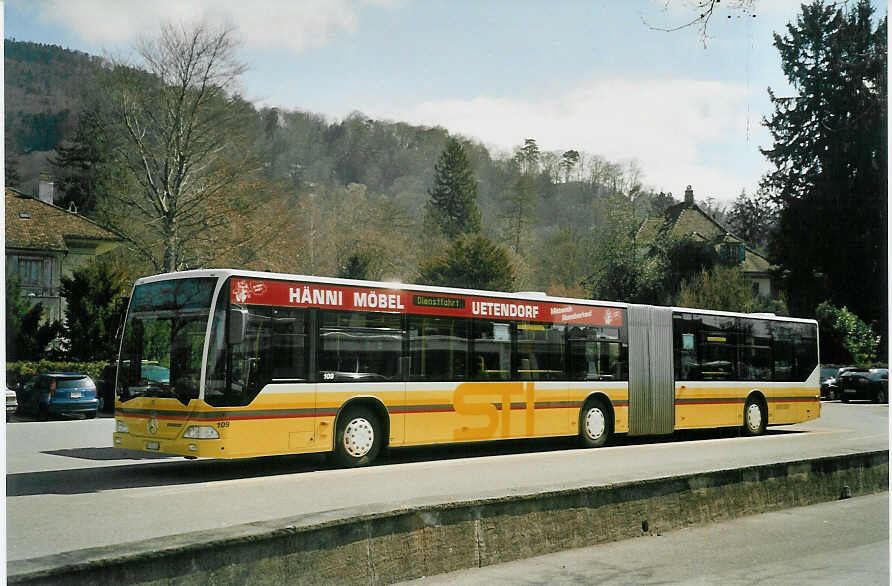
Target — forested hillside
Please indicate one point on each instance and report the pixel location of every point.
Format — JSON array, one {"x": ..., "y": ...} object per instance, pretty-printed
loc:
[
  {"x": 341, "y": 187},
  {"x": 43, "y": 91}
]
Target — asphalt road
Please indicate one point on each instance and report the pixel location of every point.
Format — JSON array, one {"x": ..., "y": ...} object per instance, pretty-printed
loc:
[
  {"x": 840, "y": 542},
  {"x": 67, "y": 488}
]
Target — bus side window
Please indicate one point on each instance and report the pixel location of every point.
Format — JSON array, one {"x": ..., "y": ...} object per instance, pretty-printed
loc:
[
  {"x": 540, "y": 348},
  {"x": 491, "y": 342},
  {"x": 755, "y": 349},
  {"x": 684, "y": 335},
  {"x": 360, "y": 346},
  {"x": 806, "y": 350},
  {"x": 438, "y": 347},
  {"x": 783, "y": 353},
  {"x": 597, "y": 354}
]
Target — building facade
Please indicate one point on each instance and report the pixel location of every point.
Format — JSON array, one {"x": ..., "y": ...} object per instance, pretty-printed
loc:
[
  {"x": 45, "y": 242},
  {"x": 687, "y": 219}
]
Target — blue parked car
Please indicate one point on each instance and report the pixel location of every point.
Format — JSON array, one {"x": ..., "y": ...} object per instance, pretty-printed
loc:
[{"x": 59, "y": 393}]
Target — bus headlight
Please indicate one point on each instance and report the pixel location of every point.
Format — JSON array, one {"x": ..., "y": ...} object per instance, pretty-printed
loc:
[
  {"x": 121, "y": 427},
  {"x": 201, "y": 432}
]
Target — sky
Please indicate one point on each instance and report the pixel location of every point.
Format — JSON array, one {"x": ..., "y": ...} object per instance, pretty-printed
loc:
[{"x": 589, "y": 75}]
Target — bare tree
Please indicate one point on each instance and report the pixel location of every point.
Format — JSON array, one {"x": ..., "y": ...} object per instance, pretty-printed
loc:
[
  {"x": 704, "y": 10},
  {"x": 181, "y": 141}
]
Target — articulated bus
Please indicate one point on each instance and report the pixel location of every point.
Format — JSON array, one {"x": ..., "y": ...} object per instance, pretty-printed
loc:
[{"x": 235, "y": 364}]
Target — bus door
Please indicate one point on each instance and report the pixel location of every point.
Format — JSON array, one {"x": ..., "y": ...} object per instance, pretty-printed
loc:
[{"x": 651, "y": 378}]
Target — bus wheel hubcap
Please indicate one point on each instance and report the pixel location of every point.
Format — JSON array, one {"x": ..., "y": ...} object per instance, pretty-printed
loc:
[
  {"x": 358, "y": 437},
  {"x": 594, "y": 423},
  {"x": 754, "y": 417}
]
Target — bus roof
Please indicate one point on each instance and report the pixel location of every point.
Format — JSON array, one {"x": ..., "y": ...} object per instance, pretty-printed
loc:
[{"x": 526, "y": 295}]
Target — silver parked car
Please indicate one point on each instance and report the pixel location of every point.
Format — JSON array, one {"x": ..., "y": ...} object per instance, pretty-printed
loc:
[{"x": 12, "y": 404}]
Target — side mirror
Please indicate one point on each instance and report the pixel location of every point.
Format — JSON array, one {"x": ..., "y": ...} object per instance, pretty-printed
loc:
[{"x": 238, "y": 325}]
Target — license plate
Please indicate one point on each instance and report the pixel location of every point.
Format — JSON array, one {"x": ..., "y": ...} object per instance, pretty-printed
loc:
[
  {"x": 850, "y": 391},
  {"x": 75, "y": 395},
  {"x": 153, "y": 446}
]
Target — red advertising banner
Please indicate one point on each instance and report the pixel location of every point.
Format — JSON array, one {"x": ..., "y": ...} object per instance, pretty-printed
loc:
[{"x": 284, "y": 293}]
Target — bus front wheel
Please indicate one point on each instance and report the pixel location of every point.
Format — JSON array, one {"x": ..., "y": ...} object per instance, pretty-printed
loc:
[
  {"x": 754, "y": 417},
  {"x": 594, "y": 424},
  {"x": 358, "y": 438}
]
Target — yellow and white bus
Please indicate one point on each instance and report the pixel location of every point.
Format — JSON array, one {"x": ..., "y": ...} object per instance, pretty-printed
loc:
[{"x": 234, "y": 364}]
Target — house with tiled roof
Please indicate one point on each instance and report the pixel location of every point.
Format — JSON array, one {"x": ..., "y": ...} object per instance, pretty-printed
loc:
[
  {"x": 45, "y": 242},
  {"x": 687, "y": 219}
]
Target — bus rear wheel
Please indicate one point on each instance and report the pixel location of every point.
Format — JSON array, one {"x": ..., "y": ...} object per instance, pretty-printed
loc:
[
  {"x": 358, "y": 438},
  {"x": 755, "y": 419},
  {"x": 595, "y": 425}
]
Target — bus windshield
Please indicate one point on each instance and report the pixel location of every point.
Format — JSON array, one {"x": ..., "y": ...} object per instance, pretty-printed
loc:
[{"x": 161, "y": 351}]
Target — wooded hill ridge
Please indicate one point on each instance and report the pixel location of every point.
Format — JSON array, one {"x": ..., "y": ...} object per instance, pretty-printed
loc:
[{"x": 565, "y": 200}]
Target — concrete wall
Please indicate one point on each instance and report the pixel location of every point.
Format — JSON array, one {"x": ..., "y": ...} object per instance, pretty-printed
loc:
[{"x": 363, "y": 546}]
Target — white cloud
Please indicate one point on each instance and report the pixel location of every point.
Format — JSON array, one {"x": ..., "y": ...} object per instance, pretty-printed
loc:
[
  {"x": 671, "y": 127},
  {"x": 293, "y": 26}
]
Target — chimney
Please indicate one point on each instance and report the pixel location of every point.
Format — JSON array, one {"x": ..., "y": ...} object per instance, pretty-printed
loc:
[
  {"x": 45, "y": 190},
  {"x": 689, "y": 195}
]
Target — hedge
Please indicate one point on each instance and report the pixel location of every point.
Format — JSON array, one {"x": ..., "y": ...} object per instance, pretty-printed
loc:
[{"x": 17, "y": 372}]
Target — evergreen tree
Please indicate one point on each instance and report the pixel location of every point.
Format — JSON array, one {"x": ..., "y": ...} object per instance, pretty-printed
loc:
[
  {"x": 527, "y": 157},
  {"x": 92, "y": 315},
  {"x": 471, "y": 262},
  {"x": 453, "y": 197},
  {"x": 84, "y": 163},
  {"x": 26, "y": 337},
  {"x": 830, "y": 159},
  {"x": 356, "y": 266},
  {"x": 752, "y": 218},
  {"x": 568, "y": 162}
]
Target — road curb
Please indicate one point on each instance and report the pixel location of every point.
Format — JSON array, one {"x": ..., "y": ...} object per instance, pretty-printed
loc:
[{"x": 373, "y": 545}]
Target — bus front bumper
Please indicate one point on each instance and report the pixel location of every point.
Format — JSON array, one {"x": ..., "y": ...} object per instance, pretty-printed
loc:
[{"x": 197, "y": 448}]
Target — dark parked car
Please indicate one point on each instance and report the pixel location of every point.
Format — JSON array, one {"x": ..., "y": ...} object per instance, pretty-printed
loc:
[
  {"x": 864, "y": 383},
  {"x": 105, "y": 386},
  {"x": 59, "y": 393}
]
